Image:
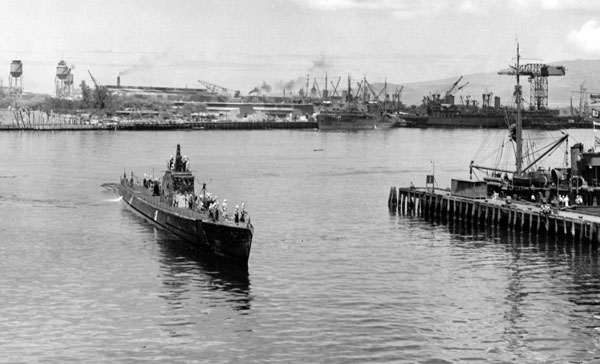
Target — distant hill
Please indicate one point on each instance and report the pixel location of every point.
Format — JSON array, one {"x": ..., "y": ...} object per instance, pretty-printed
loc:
[{"x": 560, "y": 89}]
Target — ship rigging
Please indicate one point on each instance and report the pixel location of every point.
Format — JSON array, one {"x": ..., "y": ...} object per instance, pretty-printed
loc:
[{"x": 523, "y": 175}]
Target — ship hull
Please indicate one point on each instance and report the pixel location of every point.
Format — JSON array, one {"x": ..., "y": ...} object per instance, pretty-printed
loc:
[
  {"x": 221, "y": 238},
  {"x": 352, "y": 121},
  {"x": 531, "y": 120}
]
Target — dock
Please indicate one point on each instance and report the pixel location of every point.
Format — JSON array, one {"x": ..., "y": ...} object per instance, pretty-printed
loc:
[
  {"x": 157, "y": 125},
  {"x": 580, "y": 223}
]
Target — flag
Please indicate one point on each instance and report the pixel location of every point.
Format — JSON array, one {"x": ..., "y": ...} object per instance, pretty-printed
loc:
[{"x": 596, "y": 114}]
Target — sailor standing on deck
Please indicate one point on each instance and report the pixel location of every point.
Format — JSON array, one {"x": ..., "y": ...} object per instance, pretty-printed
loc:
[{"x": 224, "y": 208}]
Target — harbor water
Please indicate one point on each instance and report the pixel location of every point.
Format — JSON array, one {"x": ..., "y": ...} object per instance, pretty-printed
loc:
[{"x": 333, "y": 277}]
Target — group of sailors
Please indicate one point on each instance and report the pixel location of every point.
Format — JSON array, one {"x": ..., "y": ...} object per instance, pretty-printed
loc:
[
  {"x": 152, "y": 184},
  {"x": 184, "y": 160},
  {"x": 545, "y": 207},
  {"x": 206, "y": 202},
  {"x": 564, "y": 200},
  {"x": 239, "y": 215},
  {"x": 201, "y": 202}
]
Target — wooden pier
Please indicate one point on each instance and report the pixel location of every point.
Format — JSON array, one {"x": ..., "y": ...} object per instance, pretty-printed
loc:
[{"x": 579, "y": 223}]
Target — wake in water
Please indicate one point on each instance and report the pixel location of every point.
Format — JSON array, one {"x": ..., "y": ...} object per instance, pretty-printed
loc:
[
  {"x": 110, "y": 186},
  {"x": 37, "y": 202},
  {"x": 113, "y": 188}
]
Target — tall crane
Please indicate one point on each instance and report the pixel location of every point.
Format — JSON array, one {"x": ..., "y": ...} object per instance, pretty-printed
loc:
[
  {"x": 583, "y": 100},
  {"x": 370, "y": 88},
  {"x": 335, "y": 87},
  {"x": 453, "y": 87},
  {"x": 538, "y": 74},
  {"x": 96, "y": 83},
  {"x": 220, "y": 90},
  {"x": 396, "y": 97}
]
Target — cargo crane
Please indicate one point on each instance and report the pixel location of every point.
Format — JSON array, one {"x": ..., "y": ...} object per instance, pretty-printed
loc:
[
  {"x": 453, "y": 87},
  {"x": 449, "y": 95},
  {"x": 396, "y": 97},
  {"x": 584, "y": 96},
  {"x": 462, "y": 86},
  {"x": 372, "y": 91},
  {"x": 335, "y": 87},
  {"x": 219, "y": 90},
  {"x": 315, "y": 92},
  {"x": 96, "y": 83},
  {"x": 537, "y": 74}
]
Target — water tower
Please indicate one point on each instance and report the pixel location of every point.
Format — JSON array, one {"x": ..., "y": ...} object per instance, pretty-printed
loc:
[
  {"x": 15, "y": 79},
  {"x": 63, "y": 80}
]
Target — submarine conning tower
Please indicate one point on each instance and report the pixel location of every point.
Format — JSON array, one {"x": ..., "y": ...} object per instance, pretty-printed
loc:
[{"x": 178, "y": 181}]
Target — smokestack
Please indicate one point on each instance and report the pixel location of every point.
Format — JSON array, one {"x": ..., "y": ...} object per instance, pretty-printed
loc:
[{"x": 118, "y": 81}]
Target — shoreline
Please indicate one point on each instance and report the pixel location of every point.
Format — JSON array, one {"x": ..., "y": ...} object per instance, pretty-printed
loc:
[{"x": 221, "y": 125}]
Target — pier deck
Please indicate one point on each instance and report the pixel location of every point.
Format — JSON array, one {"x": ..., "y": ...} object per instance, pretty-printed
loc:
[{"x": 581, "y": 223}]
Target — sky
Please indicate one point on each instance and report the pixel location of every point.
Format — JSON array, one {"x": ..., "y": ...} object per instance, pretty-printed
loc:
[{"x": 240, "y": 44}]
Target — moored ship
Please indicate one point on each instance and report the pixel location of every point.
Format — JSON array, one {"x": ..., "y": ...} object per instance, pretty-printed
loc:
[
  {"x": 196, "y": 218},
  {"x": 441, "y": 111},
  {"x": 353, "y": 120},
  {"x": 361, "y": 110},
  {"x": 554, "y": 200},
  {"x": 530, "y": 182}
]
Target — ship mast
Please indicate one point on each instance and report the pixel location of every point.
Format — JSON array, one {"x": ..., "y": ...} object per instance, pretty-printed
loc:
[{"x": 519, "y": 136}]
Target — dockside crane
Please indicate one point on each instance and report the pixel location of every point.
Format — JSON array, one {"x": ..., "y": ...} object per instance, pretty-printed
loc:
[
  {"x": 315, "y": 92},
  {"x": 335, "y": 87},
  {"x": 449, "y": 94},
  {"x": 397, "y": 96},
  {"x": 537, "y": 74},
  {"x": 584, "y": 96},
  {"x": 453, "y": 87},
  {"x": 219, "y": 90},
  {"x": 96, "y": 83},
  {"x": 370, "y": 88}
]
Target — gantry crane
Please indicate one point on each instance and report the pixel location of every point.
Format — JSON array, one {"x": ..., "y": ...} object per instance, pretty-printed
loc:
[{"x": 538, "y": 74}]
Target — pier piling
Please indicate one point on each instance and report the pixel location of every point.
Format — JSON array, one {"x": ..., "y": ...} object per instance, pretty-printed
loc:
[{"x": 514, "y": 215}]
